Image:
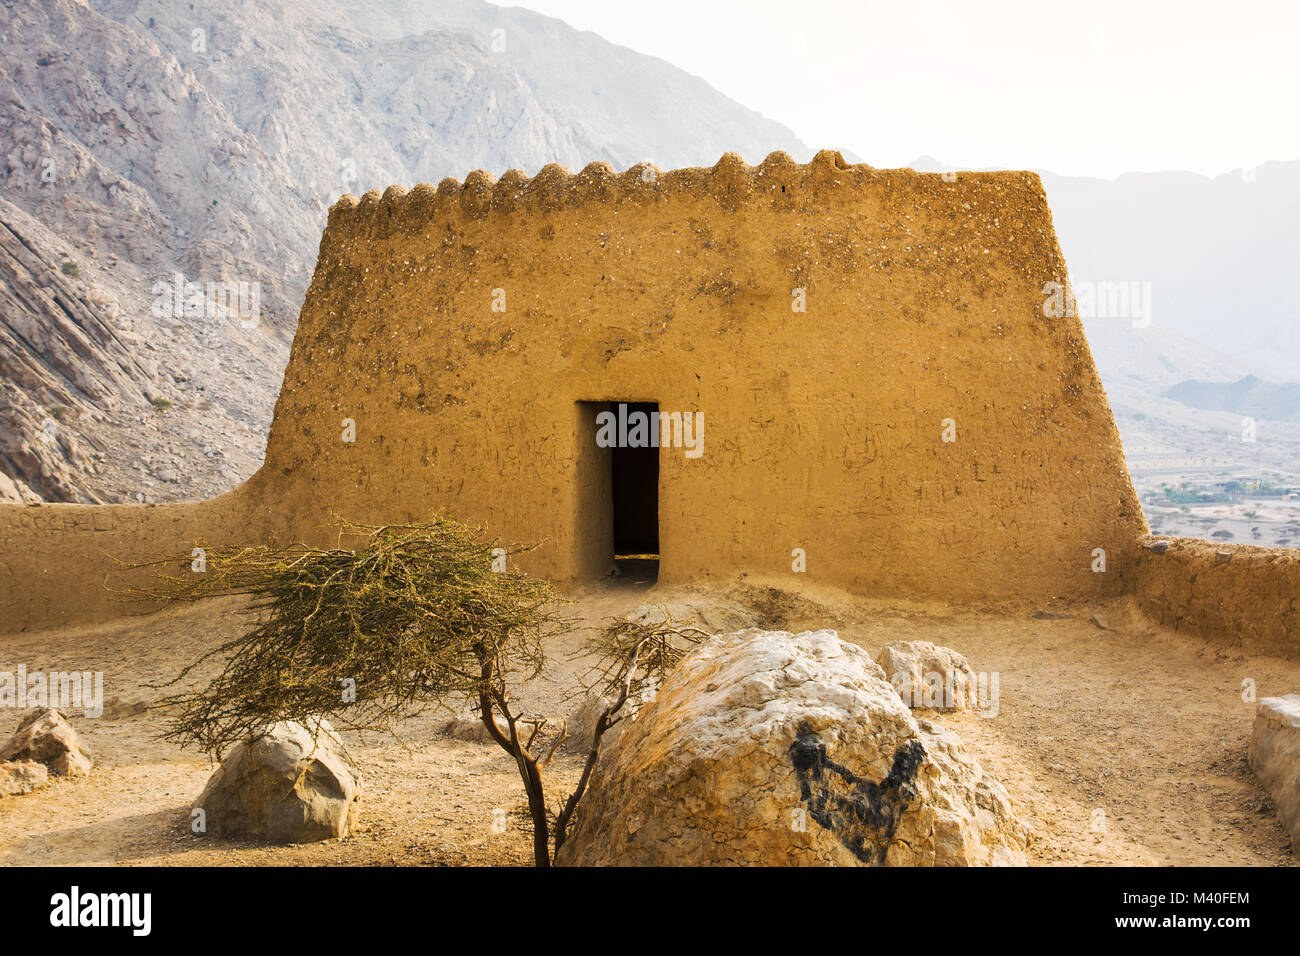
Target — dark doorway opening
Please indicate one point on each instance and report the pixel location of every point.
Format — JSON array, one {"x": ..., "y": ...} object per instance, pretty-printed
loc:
[
  {"x": 616, "y": 524},
  {"x": 634, "y": 473}
]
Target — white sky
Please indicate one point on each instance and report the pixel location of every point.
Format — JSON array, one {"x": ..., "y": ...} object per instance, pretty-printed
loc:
[{"x": 1097, "y": 89}]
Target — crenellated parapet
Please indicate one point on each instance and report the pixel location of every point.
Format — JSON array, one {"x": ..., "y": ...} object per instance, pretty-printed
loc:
[{"x": 993, "y": 202}]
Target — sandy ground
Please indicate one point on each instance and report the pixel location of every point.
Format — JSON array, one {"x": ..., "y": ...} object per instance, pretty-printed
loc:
[{"x": 1123, "y": 746}]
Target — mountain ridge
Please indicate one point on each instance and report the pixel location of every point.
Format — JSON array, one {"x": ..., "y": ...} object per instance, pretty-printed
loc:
[{"x": 160, "y": 144}]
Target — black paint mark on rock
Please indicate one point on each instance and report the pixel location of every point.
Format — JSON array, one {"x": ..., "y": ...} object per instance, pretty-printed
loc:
[{"x": 861, "y": 813}]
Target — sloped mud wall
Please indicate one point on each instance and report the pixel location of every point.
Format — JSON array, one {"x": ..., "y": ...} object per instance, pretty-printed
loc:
[{"x": 457, "y": 329}]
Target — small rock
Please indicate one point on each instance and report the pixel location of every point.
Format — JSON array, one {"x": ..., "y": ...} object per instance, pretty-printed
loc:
[
  {"x": 284, "y": 787},
  {"x": 46, "y": 737},
  {"x": 581, "y": 724},
  {"x": 116, "y": 709},
  {"x": 22, "y": 776},
  {"x": 469, "y": 728},
  {"x": 1157, "y": 547},
  {"x": 1101, "y": 622},
  {"x": 1274, "y": 756},
  {"x": 927, "y": 675}
]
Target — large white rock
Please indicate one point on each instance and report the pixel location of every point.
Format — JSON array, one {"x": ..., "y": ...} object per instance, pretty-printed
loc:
[
  {"x": 927, "y": 675},
  {"x": 46, "y": 737},
  {"x": 283, "y": 787},
  {"x": 770, "y": 748},
  {"x": 1274, "y": 755}
]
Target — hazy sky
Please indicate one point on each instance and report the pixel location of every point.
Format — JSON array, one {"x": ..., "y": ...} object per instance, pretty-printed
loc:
[{"x": 1096, "y": 89}]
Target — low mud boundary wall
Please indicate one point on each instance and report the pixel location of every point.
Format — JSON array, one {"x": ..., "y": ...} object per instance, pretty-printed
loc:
[
  {"x": 55, "y": 559},
  {"x": 1241, "y": 595}
]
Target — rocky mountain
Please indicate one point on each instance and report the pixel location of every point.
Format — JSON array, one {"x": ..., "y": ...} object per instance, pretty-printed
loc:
[
  {"x": 64, "y": 361},
  {"x": 166, "y": 167},
  {"x": 152, "y": 151},
  {"x": 1215, "y": 255},
  {"x": 1249, "y": 396}
]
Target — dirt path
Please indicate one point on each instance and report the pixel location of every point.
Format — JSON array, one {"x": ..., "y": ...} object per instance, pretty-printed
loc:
[{"x": 1120, "y": 747}]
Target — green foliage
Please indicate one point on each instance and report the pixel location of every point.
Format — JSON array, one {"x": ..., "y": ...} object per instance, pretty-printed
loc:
[
  {"x": 70, "y": 268},
  {"x": 1257, "y": 487},
  {"x": 1186, "y": 495}
]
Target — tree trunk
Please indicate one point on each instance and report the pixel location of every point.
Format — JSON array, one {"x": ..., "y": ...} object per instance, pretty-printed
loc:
[{"x": 528, "y": 773}]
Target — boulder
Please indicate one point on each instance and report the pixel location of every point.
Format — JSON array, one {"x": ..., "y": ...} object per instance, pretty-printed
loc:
[
  {"x": 927, "y": 675},
  {"x": 22, "y": 776},
  {"x": 117, "y": 709},
  {"x": 283, "y": 787},
  {"x": 469, "y": 728},
  {"x": 713, "y": 617},
  {"x": 580, "y": 725},
  {"x": 1274, "y": 756},
  {"x": 46, "y": 737},
  {"x": 770, "y": 748}
]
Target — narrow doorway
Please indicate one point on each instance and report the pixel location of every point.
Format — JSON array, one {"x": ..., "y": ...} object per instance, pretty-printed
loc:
[{"x": 634, "y": 473}]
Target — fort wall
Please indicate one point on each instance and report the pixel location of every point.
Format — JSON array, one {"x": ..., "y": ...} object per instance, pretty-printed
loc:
[
  {"x": 824, "y": 428},
  {"x": 1237, "y": 595},
  {"x": 453, "y": 333},
  {"x": 56, "y": 559}
]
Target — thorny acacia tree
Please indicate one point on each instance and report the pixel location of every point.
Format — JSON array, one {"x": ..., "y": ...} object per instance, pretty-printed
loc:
[{"x": 416, "y": 616}]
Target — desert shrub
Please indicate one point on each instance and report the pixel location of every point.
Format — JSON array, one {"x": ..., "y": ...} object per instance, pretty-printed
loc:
[{"x": 420, "y": 614}]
